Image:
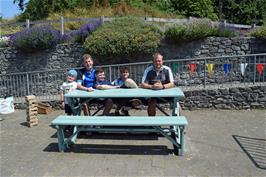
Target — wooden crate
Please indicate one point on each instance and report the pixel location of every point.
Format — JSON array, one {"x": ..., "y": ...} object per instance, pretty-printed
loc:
[{"x": 44, "y": 108}]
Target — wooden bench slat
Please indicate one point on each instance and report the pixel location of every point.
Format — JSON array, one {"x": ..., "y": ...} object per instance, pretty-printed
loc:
[{"x": 120, "y": 121}]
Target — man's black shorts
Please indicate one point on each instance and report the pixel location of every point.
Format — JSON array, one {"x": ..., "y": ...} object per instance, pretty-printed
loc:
[
  {"x": 159, "y": 100},
  {"x": 68, "y": 110}
]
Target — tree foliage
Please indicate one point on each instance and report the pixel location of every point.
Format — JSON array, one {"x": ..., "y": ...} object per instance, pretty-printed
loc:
[
  {"x": 234, "y": 11},
  {"x": 195, "y": 8},
  {"x": 20, "y": 4},
  {"x": 242, "y": 11}
]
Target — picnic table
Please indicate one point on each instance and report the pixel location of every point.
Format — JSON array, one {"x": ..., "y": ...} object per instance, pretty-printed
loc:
[{"x": 170, "y": 126}]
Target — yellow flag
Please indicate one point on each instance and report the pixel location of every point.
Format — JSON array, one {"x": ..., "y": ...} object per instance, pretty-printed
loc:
[{"x": 209, "y": 67}]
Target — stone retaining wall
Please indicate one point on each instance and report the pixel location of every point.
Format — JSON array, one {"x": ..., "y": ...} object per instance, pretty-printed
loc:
[
  {"x": 235, "y": 98},
  {"x": 69, "y": 55},
  {"x": 226, "y": 98}
]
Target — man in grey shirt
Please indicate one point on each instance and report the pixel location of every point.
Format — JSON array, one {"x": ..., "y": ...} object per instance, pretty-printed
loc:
[{"x": 156, "y": 77}]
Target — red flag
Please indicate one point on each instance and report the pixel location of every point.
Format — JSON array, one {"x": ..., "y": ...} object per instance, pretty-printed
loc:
[
  {"x": 192, "y": 67},
  {"x": 260, "y": 68}
]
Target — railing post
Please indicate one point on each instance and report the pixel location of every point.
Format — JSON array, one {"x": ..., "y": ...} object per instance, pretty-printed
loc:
[
  {"x": 102, "y": 20},
  {"x": 110, "y": 73},
  {"x": 254, "y": 70},
  {"x": 224, "y": 23},
  {"x": 28, "y": 83},
  {"x": 27, "y": 23},
  {"x": 62, "y": 26},
  {"x": 253, "y": 26},
  {"x": 204, "y": 73}
]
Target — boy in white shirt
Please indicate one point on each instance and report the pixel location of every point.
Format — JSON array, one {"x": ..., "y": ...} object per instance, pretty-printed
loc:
[{"x": 67, "y": 87}]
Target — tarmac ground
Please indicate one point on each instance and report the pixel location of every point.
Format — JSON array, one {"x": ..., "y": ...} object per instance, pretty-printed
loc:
[{"x": 217, "y": 143}]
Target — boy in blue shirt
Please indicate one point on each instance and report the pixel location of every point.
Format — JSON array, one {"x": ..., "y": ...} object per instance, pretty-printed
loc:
[{"x": 103, "y": 84}]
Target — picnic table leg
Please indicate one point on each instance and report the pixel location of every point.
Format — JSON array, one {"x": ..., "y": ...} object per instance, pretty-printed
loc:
[
  {"x": 61, "y": 138},
  {"x": 73, "y": 139},
  {"x": 174, "y": 135},
  {"x": 175, "y": 110},
  {"x": 181, "y": 150}
]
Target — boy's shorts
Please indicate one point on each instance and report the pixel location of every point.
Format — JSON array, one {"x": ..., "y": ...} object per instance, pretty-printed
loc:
[
  {"x": 68, "y": 110},
  {"x": 99, "y": 101}
]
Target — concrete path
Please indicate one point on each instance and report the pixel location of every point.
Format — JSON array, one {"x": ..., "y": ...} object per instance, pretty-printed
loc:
[{"x": 217, "y": 143}]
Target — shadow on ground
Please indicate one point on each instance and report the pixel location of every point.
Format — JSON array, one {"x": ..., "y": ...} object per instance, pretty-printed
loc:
[
  {"x": 113, "y": 149},
  {"x": 114, "y": 136},
  {"x": 255, "y": 149}
]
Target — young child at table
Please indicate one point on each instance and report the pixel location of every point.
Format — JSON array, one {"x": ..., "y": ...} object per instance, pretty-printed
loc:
[
  {"x": 124, "y": 81},
  {"x": 102, "y": 84},
  {"x": 69, "y": 86}
]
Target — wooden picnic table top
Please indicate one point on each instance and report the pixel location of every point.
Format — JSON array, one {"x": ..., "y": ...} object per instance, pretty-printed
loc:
[{"x": 128, "y": 93}]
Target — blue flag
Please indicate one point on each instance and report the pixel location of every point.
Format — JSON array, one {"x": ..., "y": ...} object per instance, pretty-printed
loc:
[{"x": 227, "y": 68}]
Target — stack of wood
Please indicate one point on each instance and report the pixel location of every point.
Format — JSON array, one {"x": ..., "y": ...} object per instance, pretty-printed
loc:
[
  {"x": 44, "y": 108},
  {"x": 32, "y": 110}
]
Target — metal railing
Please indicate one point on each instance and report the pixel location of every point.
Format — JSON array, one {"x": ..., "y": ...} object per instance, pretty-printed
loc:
[{"x": 189, "y": 74}]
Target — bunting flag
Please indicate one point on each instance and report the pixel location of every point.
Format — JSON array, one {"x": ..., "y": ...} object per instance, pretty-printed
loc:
[
  {"x": 227, "y": 68},
  {"x": 175, "y": 68},
  {"x": 209, "y": 67},
  {"x": 260, "y": 68},
  {"x": 243, "y": 68},
  {"x": 192, "y": 67}
]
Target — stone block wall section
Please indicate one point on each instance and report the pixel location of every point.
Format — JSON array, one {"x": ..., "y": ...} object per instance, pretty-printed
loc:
[
  {"x": 233, "y": 98},
  {"x": 61, "y": 57},
  {"x": 249, "y": 97},
  {"x": 70, "y": 55}
]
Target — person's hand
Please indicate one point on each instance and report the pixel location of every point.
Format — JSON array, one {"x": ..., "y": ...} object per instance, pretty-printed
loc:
[
  {"x": 157, "y": 86},
  {"x": 90, "y": 89}
]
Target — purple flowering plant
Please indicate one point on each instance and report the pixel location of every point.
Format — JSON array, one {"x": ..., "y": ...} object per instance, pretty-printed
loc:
[
  {"x": 44, "y": 37},
  {"x": 81, "y": 34},
  {"x": 35, "y": 38}
]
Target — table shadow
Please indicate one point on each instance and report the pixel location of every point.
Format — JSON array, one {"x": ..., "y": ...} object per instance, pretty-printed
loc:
[
  {"x": 115, "y": 136},
  {"x": 254, "y": 148},
  {"x": 113, "y": 149}
]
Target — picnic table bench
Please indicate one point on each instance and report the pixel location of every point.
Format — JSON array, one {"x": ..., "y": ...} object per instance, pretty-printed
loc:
[
  {"x": 170, "y": 126},
  {"x": 124, "y": 124}
]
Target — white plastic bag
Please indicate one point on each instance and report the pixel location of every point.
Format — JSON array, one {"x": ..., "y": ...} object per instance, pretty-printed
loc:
[{"x": 6, "y": 105}]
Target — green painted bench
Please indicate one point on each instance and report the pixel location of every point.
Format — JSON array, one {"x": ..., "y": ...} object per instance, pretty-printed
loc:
[{"x": 172, "y": 127}]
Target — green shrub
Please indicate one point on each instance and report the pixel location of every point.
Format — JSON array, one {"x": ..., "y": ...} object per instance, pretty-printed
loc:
[
  {"x": 123, "y": 36},
  {"x": 224, "y": 32},
  {"x": 195, "y": 30},
  {"x": 260, "y": 33}
]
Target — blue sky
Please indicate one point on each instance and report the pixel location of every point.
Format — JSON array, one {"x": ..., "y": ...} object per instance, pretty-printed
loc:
[{"x": 8, "y": 9}]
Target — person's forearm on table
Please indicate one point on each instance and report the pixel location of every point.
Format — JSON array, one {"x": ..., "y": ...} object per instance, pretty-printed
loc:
[
  {"x": 169, "y": 85},
  {"x": 81, "y": 87},
  {"x": 146, "y": 86},
  {"x": 102, "y": 87},
  {"x": 159, "y": 86}
]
